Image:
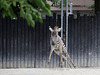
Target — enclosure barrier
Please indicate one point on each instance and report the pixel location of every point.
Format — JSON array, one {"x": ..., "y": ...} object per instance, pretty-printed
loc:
[{"x": 22, "y": 46}]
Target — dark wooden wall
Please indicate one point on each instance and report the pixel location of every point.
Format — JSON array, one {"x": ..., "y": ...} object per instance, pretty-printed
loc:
[
  {"x": 84, "y": 40},
  {"x": 97, "y": 5},
  {"x": 22, "y": 46}
]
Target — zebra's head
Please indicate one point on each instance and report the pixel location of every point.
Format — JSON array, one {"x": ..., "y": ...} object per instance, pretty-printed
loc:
[{"x": 54, "y": 31}]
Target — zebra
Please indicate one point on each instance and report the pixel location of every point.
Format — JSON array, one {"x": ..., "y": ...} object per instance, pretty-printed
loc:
[{"x": 58, "y": 46}]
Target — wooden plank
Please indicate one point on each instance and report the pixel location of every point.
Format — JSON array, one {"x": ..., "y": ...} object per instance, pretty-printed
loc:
[
  {"x": 33, "y": 46},
  {"x": 37, "y": 45},
  {"x": 93, "y": 42},
  {"x": 85, "y": 43},
  {"x": 47, "y": 40},
  {"x": 79, "y": 39},
  {"x": 19, "y": 43},
  {"x": 96, "y": 39},
  {"x": 12, "y": 45},
  {"x": 4, "y": 44},
  {"x": 22, "y": 43},
  {"x": 44, "y": 44},
  {"x": 89, "y": 42},
  {"x": 26, "y": 45},
  {"x": 29, "y": 49},
  {"x": 15, "y": 44},
  {"x": 72, "y": 52},
  {"x": 23, "y": 32},
  {"x": 40, "y": 46},
  {"x": 72, "y": 39},
  {"x": 43, "y": 65},
  {"x": 36, "y": 50},
  {"x": 76, "y": 35},
  {"x": 1, "y": 41},
  {"x": 75, "y": 44},
  {"x": 97, "y": 6},
  {"x": 44, "y": 49},
  {"x": 84, "y": 40},
  {"x": 8, "y": 41},
  {"x": 87, "y": 54}
]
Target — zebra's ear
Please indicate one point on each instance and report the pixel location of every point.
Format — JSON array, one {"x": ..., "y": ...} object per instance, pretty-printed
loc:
[
  {"x": 59, "y": 29},
  {"x": 50, "y": 29}
]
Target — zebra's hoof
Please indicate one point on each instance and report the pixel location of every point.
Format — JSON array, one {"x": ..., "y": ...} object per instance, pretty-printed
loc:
[
  {"x": 48, "y": 62},
  {"x": 74, "y": 66},
  {"x": 61, "y": 65}
]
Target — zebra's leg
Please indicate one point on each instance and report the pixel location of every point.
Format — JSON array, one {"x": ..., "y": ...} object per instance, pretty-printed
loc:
[
  {"x": 50, "y": 55},
  {"x": 63, "y": 58},
  {"x": 65, "y": 51},
  {"x": 61, "y": 61}
]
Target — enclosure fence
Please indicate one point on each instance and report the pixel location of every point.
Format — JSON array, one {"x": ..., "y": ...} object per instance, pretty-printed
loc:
[{"x": 22, "y": 46}]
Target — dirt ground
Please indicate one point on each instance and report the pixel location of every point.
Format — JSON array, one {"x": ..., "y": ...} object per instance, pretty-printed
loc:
[{"x": 51, "y": 71}]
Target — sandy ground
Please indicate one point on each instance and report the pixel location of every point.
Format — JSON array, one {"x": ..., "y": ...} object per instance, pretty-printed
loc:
[{"x": 51, "y": 71}]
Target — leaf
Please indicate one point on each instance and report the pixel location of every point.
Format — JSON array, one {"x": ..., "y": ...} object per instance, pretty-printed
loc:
[
  {"x": 34, "y": 10},
  {"x": 14, "y": 3},
  {"x": 47, "y": 5},
  {"x": 22, "y": 13},
  {"x": 4, "y": 15},
  {"x": 11, "y": 13},
  {"x": 35, "y": 16},
  {"x": 29, "y": 16},
  {"x": 40, "y": 19},
  {"x": 32, "y": 23}
]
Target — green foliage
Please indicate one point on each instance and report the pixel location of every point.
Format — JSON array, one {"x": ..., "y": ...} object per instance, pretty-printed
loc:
[{"x": 28, "y": 9}]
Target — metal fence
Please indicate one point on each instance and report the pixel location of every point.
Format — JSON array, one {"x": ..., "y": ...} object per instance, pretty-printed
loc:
[{"x": 22, "y": 46}]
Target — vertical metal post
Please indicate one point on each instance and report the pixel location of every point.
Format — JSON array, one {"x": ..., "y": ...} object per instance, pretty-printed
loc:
[
  {"x": 66, "y": 27},
  {"x": 71, "y": 8},
  {"x": 62, "y": 18},
  {"x": 67, "y": 24}
]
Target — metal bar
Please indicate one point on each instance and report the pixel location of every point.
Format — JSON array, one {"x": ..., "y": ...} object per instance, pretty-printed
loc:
[
  {"x": 71, "y": 8},
  {"x": 62, "y": 18},
  {"x": 66, "y": 26}
]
